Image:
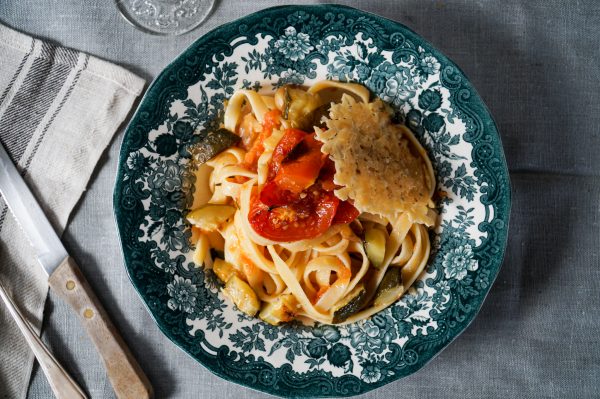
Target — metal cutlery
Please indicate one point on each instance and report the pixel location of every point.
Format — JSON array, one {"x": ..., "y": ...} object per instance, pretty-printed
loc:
[
  {"x": 63, "y": 386},
  {"x": 65, "y": 278}
]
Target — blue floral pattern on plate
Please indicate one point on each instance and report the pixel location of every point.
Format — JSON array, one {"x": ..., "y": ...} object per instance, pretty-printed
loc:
[{"x": 301, "y": 45}]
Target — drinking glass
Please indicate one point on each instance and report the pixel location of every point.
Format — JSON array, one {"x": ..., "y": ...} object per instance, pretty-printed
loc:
[{"x": 165, "y": 17}]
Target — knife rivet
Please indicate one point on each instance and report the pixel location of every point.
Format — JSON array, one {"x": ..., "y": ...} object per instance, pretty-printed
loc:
[
  {"x": 88, "y": 313},
  {"x": 70, "y": 285}
]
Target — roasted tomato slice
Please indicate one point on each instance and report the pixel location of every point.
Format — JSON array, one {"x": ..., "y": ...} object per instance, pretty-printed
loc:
[
  {"x": 306, "y": 218},
  {"x": 272, "y": 195},
  {"x": 346, "y": 213},
  {"x": 297, "y": 202},
  {"x": 294, "y": 167},
  {"x": 291, "y": 138},
  {"x": 326, "y": 175},
  {"x": 300, "y": 169}
]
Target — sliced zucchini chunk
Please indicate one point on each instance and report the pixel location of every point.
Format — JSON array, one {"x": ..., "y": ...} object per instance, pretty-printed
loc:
[
  {"x": 201, "y": 250},
  {"x": 375, "y": 240},
  {"x": 350, "y": 304},
  {"x": 210, "y": 217},
  {"x": 391, "y": 288},
  {"x": 242, "y": 295},
  {"x": 213, "y": 144},
  {"x": 224, "y": 270},
  {"x": 297, "y": 106},
  {"x": 281, "y": 310}
]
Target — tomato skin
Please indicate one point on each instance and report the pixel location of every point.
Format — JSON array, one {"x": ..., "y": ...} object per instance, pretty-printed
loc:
[
  {"x": 295, "y": 166},
  {"x": 297, "y": 201},
  {"x": 291, "y": 138},
  {"x": 309, "y": 217},
  {"x": 346, "y": 213},
  {"x": 326, "y": 175},
  {"x": 299, "y": 174},
  {"x": 272, "y": 195}
]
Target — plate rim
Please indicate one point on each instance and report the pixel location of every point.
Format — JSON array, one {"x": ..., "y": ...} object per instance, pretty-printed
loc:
[{"x": 502, "y": 207}]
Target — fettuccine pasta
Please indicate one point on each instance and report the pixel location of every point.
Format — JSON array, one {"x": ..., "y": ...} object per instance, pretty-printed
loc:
[{"x": 285, "y": 215}]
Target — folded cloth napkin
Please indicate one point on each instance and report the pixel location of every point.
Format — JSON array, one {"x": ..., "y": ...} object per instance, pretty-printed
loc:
[{"x": 59, "y": 109}]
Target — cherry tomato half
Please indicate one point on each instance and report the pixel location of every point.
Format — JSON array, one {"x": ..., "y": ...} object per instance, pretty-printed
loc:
[
  {"x": 272, "y": 195},
  {"x": 306, "y": 218},
  {"x": 291, "y": 138},
  {"x": 346, "y": 213},
  {"x": 300, "y": 169}
]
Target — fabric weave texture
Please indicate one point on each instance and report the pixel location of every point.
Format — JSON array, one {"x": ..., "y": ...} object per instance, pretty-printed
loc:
[
  {"x": 535, "y": 64},
  {"x": 59, "y": 109}
]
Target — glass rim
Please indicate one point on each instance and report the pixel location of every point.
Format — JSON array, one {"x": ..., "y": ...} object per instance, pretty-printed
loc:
[{"x": 124, "y": 12}]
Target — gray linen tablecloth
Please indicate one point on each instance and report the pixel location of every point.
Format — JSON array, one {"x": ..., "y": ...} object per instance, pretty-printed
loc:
[{"x": 536, "y": 64}]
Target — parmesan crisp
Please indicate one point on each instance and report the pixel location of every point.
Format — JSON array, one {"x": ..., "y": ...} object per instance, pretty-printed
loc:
[{"x": 375, "y": 163}]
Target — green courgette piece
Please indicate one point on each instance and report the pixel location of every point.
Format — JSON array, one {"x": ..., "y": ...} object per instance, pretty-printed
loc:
[
  {"x": 281, "y": 310},
  {"x": 390, "y": 288},
  {"x": 242, "y": 295},
  {"x": 288, "y": 102},
  {"x": 213, "y": 144},
  {"x": 350, "y": 304},
  {"x": 298, "y": 106},
  {"x": 375, "y": 241},
  {"x": 224, "y": 270}
]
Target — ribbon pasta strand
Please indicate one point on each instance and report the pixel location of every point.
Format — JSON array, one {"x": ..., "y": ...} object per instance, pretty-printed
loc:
[{"x": 318, "y": 275}]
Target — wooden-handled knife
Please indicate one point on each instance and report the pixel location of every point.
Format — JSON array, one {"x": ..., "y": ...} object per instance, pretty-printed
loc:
[{"x": 65, "y": 278}]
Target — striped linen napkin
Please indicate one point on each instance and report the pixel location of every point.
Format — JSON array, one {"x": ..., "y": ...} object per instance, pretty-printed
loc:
[{"x": 59, "y": 109}]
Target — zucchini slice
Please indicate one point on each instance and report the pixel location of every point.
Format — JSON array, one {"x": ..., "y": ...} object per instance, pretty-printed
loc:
[
  {"x": 213, "y": 143},
  {"x": 242, "y": 295},
  {"x": 350, "y": 304},
  {"x": 224, "y": 270},
  {"x": 375, "y": 240},
  {"x": 391, "y": 288},
  {"x": 210, "y": 217},
  {"x": 201, "y": 250},
  {"x": 281, "y": 310},
  {"x": 297, "y": 106}
]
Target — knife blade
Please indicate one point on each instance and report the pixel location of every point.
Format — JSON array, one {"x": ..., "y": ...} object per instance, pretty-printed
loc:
[
  {"x": 48, "y": 249},
  {"x": 65, "y": 278}
]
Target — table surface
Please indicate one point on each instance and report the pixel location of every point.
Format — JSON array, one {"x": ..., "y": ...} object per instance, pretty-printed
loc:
[{"x": 536, "y": 66}]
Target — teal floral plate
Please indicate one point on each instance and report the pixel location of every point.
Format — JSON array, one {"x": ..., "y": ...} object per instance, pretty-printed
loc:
[{"x": 301, "y": 45}]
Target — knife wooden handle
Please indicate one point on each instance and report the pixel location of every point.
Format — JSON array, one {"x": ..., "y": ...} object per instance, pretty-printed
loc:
[{"x": 125, "y": 374}]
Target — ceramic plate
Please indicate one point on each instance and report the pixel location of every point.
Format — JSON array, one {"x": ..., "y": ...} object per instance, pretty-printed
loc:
[{"x": 301, "y": 45}]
